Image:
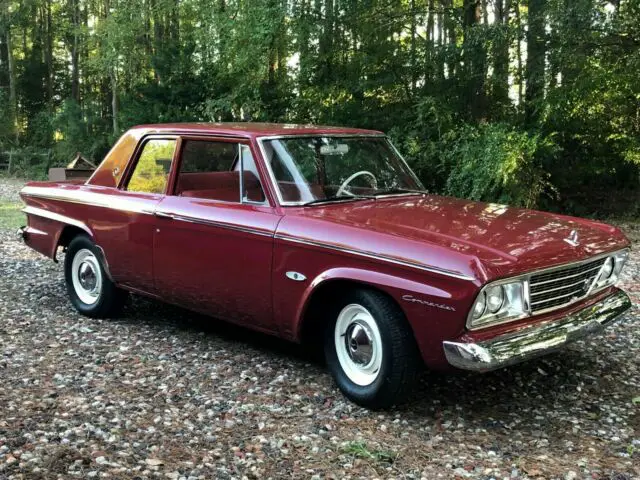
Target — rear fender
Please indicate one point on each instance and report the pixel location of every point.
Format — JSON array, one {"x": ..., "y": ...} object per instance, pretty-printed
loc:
[{"x": 44, "y": 229}]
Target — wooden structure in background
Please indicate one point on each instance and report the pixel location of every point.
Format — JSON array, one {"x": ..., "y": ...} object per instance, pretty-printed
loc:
[{"x": 79, "y": 169}]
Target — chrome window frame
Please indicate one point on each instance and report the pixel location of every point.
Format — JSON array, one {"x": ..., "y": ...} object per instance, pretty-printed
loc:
[
  {"x": 526, "y": 280},
  {"x": 240, "y": 144},
  {"x": 272, "y": 178}
]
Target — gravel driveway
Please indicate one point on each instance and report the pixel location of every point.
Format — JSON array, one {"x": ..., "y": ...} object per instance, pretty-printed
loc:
[{"x": 165, "y": 393}]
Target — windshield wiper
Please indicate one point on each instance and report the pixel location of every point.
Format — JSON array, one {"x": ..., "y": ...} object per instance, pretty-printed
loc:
[
  {"x": 341, "y": 198},
  {"x": 393, "y": 191}
]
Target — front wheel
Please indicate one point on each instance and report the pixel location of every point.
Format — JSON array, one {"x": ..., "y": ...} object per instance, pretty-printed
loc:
[
  {"x": 370, "y": 349},
  {"x": 90, "y": 290}
]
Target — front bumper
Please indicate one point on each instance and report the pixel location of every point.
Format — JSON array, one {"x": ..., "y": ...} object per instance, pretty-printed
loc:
[{"x": 535, "y": 340}]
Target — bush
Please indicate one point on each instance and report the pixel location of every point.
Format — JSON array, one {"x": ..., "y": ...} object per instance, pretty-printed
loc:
[
  {"x": 495, "y": 162},
  {"x": 422, "y": 140}
]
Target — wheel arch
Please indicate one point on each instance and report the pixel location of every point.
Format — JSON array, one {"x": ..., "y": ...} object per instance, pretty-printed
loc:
[
  {"x": 328, "y": 284},
  {"x": 69, "y": 232}
]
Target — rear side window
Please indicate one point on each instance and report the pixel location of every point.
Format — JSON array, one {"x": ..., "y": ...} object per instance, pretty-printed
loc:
[{"x": 152, "y": 170}]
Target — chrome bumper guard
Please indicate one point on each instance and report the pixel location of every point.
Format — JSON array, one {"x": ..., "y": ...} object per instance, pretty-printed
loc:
[{"x": 536, "y": 340}]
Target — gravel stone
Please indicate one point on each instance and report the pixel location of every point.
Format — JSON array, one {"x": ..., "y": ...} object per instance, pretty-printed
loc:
[{"x": 166, "y": 393}]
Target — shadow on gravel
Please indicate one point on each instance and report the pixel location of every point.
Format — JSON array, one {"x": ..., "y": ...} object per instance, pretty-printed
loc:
[
  {"x": 156, "y": 313},
  {"x": 570, "y": 379}
]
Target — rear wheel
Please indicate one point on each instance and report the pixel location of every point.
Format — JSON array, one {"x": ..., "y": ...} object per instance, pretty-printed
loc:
[
  {"x": 90, "y": 290},
  {"x": 370, "y": 349}
]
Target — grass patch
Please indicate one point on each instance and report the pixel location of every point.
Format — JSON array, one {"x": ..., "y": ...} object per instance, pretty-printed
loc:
[
  {"x": 11, "y": 216},
  {"x": 360, "y": 450}
]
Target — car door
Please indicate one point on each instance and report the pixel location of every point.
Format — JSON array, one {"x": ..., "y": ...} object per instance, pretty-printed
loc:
[
  {"x": 125, "y": 230},
  {"x": 213, "y": 246}
]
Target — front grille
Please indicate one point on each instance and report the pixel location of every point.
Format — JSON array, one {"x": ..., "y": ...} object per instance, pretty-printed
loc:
[{"x": 563, "y": 285}]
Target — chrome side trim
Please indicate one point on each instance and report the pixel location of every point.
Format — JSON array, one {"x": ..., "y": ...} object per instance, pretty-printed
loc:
[
  {"x": 83, "y": 197},
  {"x": 40, "y": 212},
  {"x": 213, "y": 223},
  {"x": 536, "y": 340},
  {"x": 375, "y": 256}
]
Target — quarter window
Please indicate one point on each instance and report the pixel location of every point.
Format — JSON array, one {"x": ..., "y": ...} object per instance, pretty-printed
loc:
[{"x": 152, "y": 170}]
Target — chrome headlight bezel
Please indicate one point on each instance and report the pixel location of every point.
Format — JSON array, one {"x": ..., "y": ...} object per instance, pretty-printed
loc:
[
  {"x": 619, "y": 259},
  {"x": 514, "y": 306},
  {"x": 511, "y": 310}
]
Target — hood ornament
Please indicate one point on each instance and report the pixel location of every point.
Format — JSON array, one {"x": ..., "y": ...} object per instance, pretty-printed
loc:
[{"x": 573, "y": 239}]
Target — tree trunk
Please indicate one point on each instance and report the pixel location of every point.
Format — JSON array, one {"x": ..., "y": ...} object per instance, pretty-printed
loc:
[
  {"x": 114, "y": 103},
  {"x": 75, "y": 52},
  {"x": 48, "y": 52},
  {"x": 4, "y": 51},
  {"x": 535, "y": 67},
  {"x": 440, "y": 57},
  {"x": 474, "y": 60},
  {"x": 13, "y": 102},
  {"x": 412, "y": 48},
  {"x": 7, "y": 67},
  {"x": 501, "y": 53},
  {"x": 520, "y": 79},
  {"x": 451, "y": 38}
]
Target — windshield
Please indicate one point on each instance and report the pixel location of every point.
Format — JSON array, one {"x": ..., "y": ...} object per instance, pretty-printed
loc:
[{"x": 326, "y": 168}]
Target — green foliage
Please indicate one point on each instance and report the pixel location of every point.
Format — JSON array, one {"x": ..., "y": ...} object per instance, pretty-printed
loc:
[
  {"x": 360, "y": 449},
  {"x": 7, "y": 135},
  {"x": 495, "y": 162},
  {"x": 75, "y": 135},
  {"x": 449, "y": 80}
]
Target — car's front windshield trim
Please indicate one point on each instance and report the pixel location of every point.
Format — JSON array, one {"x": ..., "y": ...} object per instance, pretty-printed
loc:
[{"x": 272, "y": 178}]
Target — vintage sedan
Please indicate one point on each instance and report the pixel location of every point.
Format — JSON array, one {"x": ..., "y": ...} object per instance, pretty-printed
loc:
[{"x": 324, "y": 235}]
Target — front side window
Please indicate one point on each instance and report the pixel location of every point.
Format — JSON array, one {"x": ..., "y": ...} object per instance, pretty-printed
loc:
[
  {"x": 214, "y": 170},
  {"x": 152, "y": 170},
  {"x": 311, "y": 169}
]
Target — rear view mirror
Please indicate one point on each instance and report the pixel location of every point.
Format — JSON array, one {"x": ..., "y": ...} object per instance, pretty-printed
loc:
[{"x": 338, "y": 149}]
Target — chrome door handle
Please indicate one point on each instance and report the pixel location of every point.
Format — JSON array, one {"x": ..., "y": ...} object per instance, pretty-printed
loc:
[{"x": 161, "y": 214}]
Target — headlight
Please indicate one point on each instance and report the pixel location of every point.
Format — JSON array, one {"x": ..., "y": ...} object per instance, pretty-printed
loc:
[
  {"x": 480, "y": 306},
  {"x": 497, "y": 303},
  {"x": 495, "y": 298},
  {"x": 508, "y": 300}
]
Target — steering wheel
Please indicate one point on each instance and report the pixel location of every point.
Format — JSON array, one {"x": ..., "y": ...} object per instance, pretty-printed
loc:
[{"x": 346, "y": 183}]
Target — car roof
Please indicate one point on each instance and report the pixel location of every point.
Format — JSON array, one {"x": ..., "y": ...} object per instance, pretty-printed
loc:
[{"x": 249, "y": 129}]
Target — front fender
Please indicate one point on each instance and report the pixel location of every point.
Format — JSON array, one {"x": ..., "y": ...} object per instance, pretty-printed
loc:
[{"x": 435, "y": 312}]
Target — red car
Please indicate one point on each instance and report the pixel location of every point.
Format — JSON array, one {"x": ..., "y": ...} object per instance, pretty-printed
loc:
[{"x": 324, "y": 235}]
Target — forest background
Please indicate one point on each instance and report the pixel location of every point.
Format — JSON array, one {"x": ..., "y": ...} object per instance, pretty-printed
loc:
[{"x": 528, "y": 102}]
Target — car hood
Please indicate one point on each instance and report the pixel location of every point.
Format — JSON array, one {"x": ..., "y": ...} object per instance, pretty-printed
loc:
[{"x": 483, "y": 240}]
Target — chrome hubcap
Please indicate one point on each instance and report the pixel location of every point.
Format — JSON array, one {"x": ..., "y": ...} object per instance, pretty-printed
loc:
[
  {"x": 86, "y": 276},
  {"x": 358, "y": 344}
]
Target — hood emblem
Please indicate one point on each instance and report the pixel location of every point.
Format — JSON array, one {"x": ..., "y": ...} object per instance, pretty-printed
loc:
[{"x": 573, "y": 239}]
